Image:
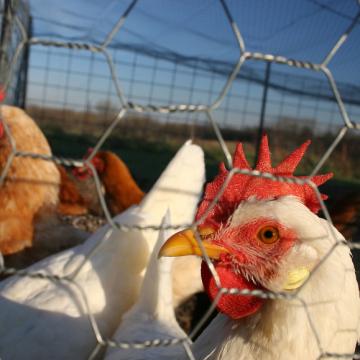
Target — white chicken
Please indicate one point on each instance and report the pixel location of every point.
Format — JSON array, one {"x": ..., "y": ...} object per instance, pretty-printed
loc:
[
  {"x": 50, "y": 319},
  {"x": 264, "y": 235}
]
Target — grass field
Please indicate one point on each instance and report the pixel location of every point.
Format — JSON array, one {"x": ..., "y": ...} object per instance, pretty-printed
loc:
[{"x": 147, "y": 159}]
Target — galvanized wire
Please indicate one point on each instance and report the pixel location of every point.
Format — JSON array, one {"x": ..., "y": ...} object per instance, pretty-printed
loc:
[{"x": 170, "y": 108}]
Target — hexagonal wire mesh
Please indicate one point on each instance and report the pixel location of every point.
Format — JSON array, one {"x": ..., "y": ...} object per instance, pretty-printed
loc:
[{"x": 244, "y": 56}]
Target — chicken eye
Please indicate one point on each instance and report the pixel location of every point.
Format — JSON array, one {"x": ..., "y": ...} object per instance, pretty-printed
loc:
[{"x": 268, "y": 234}]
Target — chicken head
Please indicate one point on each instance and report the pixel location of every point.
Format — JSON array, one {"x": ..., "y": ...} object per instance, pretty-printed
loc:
[
  {"x": 82, "y": 172},
  {"x": 254, "y": 235}
]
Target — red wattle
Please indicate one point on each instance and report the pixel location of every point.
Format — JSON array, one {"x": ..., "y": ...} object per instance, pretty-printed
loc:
[{"x": 235, "y": 306}]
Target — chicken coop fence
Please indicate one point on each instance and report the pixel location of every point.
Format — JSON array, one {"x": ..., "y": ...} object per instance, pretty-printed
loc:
[
  {"x": 14, "y": 66},
  {"x": 10, "y": 37}
]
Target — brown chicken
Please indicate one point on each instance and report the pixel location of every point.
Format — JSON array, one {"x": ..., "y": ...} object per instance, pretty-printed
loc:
[
  {"x": 29, "y": 216},
  {"x": 120, "y": 189}
]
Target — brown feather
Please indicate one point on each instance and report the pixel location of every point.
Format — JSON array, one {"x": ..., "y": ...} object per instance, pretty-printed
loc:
[
  {"x": 29, "y": 183},
  {"x": 121, "y": 189},
  {"x": 31, "y": 227}
]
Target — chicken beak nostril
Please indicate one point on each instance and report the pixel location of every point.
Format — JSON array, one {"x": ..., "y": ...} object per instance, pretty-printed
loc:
[{"x": 205, "y": 231}]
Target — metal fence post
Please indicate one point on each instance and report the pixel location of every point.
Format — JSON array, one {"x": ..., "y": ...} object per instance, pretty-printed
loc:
[
  {"x": 263, "y": 106},
  {"x": 22, "y": 79},
  {"x": 6, "y": 34}
]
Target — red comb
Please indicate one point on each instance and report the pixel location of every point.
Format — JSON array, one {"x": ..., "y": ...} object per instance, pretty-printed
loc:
[{"x": 241, "y": 187}]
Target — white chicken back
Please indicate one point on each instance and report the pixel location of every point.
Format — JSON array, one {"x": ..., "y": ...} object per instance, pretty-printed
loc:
[{"x": 49, "y": 319}]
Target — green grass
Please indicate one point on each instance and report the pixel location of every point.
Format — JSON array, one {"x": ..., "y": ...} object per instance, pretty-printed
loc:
[{"x": 147, "y": 159}]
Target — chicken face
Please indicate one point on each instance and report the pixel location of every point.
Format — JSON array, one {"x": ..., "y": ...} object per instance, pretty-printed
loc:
[
  {"x": 255, "y": 241},
  {"x": 261, "y": 247}
]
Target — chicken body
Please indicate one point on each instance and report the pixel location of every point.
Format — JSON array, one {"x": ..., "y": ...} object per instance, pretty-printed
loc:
[
  {"x": 51, "y": 319},
  {"x": 31, "y": 227},
  {"x": 30, "y": 185}
]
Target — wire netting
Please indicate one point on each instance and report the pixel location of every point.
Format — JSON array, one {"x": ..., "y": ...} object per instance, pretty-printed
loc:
[{"x": 208, "y": 111}]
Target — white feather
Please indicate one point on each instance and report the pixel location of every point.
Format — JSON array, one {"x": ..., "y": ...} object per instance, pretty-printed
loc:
[
  {"x": 152, "y": 316},
  {"x": 41, "y": 319}
]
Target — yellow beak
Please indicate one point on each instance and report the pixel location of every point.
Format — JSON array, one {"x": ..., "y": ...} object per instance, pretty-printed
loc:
[{"x": 185, "y": 243}]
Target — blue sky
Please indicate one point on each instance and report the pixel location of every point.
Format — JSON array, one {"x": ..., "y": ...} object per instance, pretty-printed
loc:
[{"x": 303, "y": 30}]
